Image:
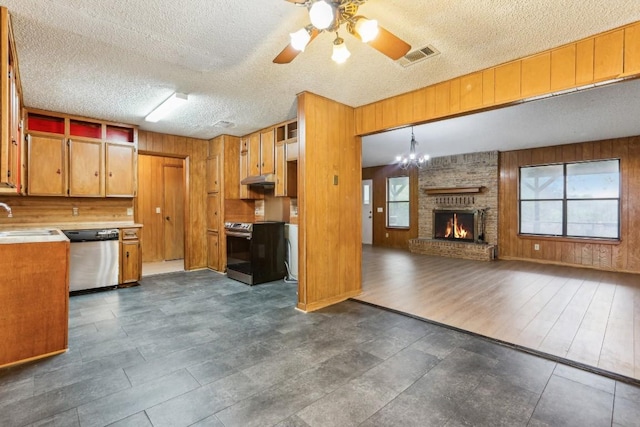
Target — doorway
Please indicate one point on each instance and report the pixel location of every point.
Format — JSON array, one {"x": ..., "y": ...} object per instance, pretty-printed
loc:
[
  {"x": 160, "y": 208},
  {"x": 367, "y": 211}
]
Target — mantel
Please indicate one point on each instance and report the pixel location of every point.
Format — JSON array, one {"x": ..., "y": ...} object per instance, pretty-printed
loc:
[{"x": 451, "y": 190}]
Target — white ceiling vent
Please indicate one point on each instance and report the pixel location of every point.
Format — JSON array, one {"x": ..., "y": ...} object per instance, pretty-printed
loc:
[
  {"x": 418, "y": 55},
  {"x": 224, "y": 124}
]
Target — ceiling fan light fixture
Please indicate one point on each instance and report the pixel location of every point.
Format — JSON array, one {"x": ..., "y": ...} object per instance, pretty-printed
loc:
[
  {"x": 321, "y": 14},
  {"x": 167, "y": 106},
  {"x": 300, "y": 39},
  {"x": 340, "y": 51},
  {"x": 367, "y": 29}
]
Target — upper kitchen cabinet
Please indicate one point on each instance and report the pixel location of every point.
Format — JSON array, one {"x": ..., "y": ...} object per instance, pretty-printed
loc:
[
  {"x": 120, "y": 180},
  {"x": 98, "y": 159},
  {"x": 287, "y": 134},
  {"x": 261, "y": 153},
  {"x": 11, "y": 132},
  {"x": 47, "y": 175}
]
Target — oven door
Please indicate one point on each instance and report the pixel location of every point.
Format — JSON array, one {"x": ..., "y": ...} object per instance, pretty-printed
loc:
[{"x": 239, "y": 256}]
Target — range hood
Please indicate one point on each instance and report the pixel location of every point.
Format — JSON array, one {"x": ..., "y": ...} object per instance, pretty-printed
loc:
[{"x": 267, "y": 180}]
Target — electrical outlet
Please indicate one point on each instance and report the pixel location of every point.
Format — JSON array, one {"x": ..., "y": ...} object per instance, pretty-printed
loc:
[
  {"x": 386, "y": 234},
  {"x": 536, "y": 247},
  {"x": 74, "y": 211},
  {"x": 129, "y": 211},
  {"x": 158, "y": 210}
]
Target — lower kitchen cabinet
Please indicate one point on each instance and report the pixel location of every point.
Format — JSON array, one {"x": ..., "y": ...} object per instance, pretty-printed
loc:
[
  {"x": 130, "y": 256},
  {"x": 213, "y": 260},
  {"x": 34, "y": 300}
]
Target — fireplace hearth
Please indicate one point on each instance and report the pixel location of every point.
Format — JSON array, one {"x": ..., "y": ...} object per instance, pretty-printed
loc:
[{"x": 459, "y": 225}]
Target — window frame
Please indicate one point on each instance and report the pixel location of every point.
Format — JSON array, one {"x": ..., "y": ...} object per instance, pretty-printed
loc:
[
  {"x": 566, "y": 199},
  {"x": 388, "y": 203}
]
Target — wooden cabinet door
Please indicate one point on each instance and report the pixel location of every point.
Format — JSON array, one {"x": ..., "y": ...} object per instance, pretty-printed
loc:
[
  {"x": 46, "y": 166},
  {"x": 254, "y": 154},
  {"x": 267, "y": 141},
  {"x": 130, "y": 265},
  {"x": 120, "y": 170},
  {"x": 244, "y": 172},
  {"x": 86, "y": 168},
  {"x": 281, "y": 171},
  {"x": 213, "y": 174},
  {"x": 214, "y": 250},
  {"x": 213, "y": 212}
]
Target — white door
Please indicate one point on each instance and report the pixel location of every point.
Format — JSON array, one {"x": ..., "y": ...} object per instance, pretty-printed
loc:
[{"x": 367, "y": 211}]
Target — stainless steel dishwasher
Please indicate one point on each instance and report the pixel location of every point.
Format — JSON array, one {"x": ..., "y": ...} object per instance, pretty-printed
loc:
[{"x": 93, "y": 261}]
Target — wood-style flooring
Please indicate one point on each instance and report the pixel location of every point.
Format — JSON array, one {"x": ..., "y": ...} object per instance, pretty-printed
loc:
[{"x": 588, "y": 316}]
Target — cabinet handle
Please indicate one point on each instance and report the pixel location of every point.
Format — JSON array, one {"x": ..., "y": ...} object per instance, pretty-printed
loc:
[
  {"x": 58, "y": 171},
  {"x": 96, "y": 173},
  {"x": 110, "y": 174},
  {"x": 127, "y": 254}
]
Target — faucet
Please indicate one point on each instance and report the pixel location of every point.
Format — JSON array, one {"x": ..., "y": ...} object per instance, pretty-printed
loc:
[{"x": 7, "y": 208}]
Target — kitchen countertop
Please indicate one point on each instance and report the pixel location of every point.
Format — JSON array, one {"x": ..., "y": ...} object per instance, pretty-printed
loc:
[
  {"x": 71, "y": 225},
  {"x": 31, "y": 235}
]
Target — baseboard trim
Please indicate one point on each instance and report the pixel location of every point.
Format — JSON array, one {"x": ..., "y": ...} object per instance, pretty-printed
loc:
[{"x": 317, "y": 305}]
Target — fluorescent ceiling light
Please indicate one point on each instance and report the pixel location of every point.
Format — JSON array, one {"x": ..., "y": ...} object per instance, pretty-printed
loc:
[{"x": 169, "y": 104}]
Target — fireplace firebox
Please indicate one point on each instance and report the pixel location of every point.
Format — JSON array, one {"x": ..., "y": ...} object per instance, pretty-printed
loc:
[{"x": 459, "y": 225}]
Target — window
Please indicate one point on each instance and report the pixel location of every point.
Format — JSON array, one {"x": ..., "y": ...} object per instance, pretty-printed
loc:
[
  {"x": 398, "y": 202},
  {"x": 571, "y": 199}
]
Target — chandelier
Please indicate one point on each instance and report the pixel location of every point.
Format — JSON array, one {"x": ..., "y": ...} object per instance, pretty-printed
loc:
[{"x": 413, "y": 159}]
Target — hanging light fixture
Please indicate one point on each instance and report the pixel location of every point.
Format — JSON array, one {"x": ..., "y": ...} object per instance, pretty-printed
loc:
[
  {"x": 413, "y": 159},
  {"x": 340, "y": 51},
  {"x": 367, "y": 29}
]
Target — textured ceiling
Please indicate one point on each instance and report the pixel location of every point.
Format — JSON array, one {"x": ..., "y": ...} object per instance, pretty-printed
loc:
[{"x": 118, "y": 59}]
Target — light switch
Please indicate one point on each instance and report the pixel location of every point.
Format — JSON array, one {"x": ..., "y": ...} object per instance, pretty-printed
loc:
[
  {"x": 158, "y": 210},
  {"x": 379, "y": 210}
]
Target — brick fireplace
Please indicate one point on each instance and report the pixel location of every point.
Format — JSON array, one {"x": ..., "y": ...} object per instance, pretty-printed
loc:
[{"x": 458, "y": 207}]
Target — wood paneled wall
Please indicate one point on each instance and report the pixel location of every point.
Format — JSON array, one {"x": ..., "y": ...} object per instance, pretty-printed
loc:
[
  {"x": 398, "y": 238},
  {"x": 151, "y": 196},
  {"x": 600, "y": 58},
  {"x": 59, "y": 210},
  {"x": 194, "y": 151},
  {"x": 329, "y": 177},
  {"x": 622, "y": 256}
]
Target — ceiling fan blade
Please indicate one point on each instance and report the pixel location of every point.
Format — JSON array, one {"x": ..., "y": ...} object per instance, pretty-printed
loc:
[
  {"x": 288, "y": 54},
  {"x": 388, "y": 44}
]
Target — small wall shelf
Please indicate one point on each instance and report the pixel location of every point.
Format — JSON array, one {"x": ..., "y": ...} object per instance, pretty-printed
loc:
[{"x": 451, "y": 190}]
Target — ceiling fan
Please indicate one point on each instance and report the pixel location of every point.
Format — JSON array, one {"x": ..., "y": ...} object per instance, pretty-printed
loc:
[{"x": 330, "y": 15}]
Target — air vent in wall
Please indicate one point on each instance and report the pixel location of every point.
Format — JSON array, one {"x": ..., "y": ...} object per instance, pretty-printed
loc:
[{"x": 418, "y": 55}]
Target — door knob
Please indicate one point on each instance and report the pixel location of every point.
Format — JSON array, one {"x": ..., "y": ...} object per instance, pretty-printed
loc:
[{"x": 168, "y": 218}]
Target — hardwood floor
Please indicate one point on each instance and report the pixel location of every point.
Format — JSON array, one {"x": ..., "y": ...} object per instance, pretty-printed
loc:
[{"x": 588, "y": 316}]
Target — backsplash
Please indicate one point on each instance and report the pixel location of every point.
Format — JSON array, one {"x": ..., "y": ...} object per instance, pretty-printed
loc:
[{"x": 54, "y": 210}]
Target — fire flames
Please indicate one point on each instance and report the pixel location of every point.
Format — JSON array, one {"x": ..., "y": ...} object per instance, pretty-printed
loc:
[{"x": 454, "y": 229}]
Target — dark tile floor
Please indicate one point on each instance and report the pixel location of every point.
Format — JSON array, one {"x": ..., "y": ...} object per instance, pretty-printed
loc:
[{"x": 198, "y": 349}]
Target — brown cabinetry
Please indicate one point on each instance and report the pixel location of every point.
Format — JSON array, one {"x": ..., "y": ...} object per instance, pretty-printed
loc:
[
  {"x": 130, "y": 256},
  {"x": 47, "y": 173},
  {"x": 267, "y": 142},
  {"x": 11, "y": 132},
  {"x": 286, "y": 154},
  {"x": 120, "y": 167},
  {"x": 213, "y": 261},
  {"x": 35, "y": 300},
  {"x": 86, "y": 174},
  {"x": 96, "y": 159},
  {"x": 214, "y": 200}
]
